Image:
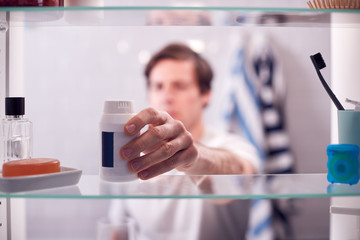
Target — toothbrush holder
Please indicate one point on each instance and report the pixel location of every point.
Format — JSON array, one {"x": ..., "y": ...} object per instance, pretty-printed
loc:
[{"x": 349, "y": 127}]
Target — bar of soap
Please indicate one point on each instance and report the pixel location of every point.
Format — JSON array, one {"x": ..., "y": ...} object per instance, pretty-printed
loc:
[{"x": 32, "y": 166}]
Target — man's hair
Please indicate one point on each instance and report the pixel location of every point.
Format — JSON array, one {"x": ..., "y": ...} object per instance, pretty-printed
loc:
[{"x": 178, "y": 51}]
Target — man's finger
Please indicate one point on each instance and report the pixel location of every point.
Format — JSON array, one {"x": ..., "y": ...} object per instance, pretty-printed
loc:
[
  {"x": 143, "y": 118},
  {"x": 162, "y": 153},
  {"x": 169, "y": 164},
  {"x": 152, "y": 137}
]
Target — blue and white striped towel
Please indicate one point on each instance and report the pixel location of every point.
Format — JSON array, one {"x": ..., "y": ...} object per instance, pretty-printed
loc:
[{"x": 255, "y": 110}]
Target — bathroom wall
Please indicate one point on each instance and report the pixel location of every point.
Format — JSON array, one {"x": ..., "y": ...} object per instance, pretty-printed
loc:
[{"x": 70, "y": 71}]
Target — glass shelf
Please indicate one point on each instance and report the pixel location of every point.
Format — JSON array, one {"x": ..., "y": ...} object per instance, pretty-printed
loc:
[
  {"x": 204, "y": 187},
  {"x": 263, "y": 5},
  {"x": 183, "y": 13}
]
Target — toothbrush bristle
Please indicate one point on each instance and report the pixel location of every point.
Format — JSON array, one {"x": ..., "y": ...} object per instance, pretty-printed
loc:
[{"x": 319, "y": 61}]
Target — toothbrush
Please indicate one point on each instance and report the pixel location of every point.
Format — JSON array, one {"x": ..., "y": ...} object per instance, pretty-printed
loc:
[{"x": 319, "y": 63}]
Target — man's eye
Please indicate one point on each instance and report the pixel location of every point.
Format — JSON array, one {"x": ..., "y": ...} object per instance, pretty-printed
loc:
[
  {"x": 156, "y": 87},
  {"x": 181, "y": 86}
]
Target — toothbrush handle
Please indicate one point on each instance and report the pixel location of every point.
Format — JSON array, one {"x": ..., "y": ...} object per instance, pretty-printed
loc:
[
  {"x": 330, "y": 93},
  {"x": 327, "y": 88}
]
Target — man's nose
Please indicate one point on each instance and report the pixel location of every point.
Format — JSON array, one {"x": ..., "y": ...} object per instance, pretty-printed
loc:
[{"x": 168, "y": 94}]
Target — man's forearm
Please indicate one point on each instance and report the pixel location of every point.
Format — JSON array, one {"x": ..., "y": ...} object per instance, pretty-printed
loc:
[{"x": 218, "y": 161}]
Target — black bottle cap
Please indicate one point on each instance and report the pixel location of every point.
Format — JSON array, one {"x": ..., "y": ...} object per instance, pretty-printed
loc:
[{"x": 14, "y": 106}]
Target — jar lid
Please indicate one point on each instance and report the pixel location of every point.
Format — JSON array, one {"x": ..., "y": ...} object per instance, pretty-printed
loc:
[
  {"x": 14, "y": 106},
  {"x": 118, "y": 106}
]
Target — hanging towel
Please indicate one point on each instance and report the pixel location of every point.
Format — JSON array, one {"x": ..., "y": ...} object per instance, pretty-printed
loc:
[
  {"x": 256, "y": 110},
  {"x": 264, "y": 70}
]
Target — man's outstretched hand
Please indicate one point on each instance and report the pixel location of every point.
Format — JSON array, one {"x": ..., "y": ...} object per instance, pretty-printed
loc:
[{"x": 165, "y": 145}]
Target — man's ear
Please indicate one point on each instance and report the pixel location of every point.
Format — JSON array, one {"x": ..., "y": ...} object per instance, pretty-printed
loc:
[{"x": 205, "y": 98}]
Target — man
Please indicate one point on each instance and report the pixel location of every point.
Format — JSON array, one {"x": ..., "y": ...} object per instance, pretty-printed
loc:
[{"x": 179, "y": 88}]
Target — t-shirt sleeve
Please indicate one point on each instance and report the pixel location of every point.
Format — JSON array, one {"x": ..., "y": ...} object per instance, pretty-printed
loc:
[{"x": 234, "y": 143}]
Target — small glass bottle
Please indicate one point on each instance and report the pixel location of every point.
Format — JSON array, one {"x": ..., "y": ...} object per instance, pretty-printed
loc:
[{"x": 16, "y": 131}]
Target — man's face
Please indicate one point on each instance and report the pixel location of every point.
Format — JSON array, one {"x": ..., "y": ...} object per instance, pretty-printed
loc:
[{"x": 174, "y": 89}]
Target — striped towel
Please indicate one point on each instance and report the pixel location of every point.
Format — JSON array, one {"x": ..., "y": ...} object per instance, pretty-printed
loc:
[{"x": 255, "y": 110}]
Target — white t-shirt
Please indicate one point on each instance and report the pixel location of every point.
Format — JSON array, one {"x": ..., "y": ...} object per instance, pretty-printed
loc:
[{"x": 191, "y": 219}]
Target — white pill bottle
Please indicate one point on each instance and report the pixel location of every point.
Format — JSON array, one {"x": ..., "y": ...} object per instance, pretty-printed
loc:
[{"x": 115, "y": 116}]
